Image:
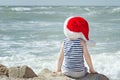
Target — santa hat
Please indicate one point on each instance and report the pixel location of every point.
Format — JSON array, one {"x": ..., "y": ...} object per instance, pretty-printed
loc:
[{"x": 77, "y": 27}]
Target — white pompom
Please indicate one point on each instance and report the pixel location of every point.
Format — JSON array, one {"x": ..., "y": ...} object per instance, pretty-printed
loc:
[{"x": 91, "y": 43}]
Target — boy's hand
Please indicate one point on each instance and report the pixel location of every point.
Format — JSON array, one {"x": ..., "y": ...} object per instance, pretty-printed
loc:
[
  {"x": 58, "y": 70},
  {"x": 92, "y": 71}
]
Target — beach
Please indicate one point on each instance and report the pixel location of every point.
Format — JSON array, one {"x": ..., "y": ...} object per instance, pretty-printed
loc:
[{"x": 32, "y": 36}]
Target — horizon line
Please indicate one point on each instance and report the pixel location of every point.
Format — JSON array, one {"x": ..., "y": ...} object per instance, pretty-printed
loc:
[{"x": 61, "y": 5}]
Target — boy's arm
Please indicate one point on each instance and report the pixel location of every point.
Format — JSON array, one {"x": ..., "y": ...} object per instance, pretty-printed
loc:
[
  {"x": 60, "y": 59},
  {"x": 87, "y": 57}
]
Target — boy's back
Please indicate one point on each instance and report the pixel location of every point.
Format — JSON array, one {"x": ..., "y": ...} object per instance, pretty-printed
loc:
[{"x": 73, "y": 56}]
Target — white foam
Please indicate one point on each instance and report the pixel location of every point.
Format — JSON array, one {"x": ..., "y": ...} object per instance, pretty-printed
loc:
[
  {"x": 20, "y": 9},
  {"x": 108, "y": 64},
  {"x": 105, "y": 63},
  {"x": 91, "y": 13},
  {"x": 47, "y": 12},
  {"x": 42, "y": 44},
  {"x": 87, "y": 9},
  {"x": 73, "y": 7},
  {"x": 116, "y": 10},
  {"x": 45, "y": 7},
  {"x": 35, "y": 62},
  {"x": 4, "y": 45}
]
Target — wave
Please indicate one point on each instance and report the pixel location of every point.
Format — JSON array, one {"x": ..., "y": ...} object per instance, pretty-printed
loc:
[
  {"x": 104, "y": 63},
  {"x": 107, "y": 63},
  {"x": 38, "y": 54},
  {"x": 72, "y": 7},
  {"x": 47, "y": 12},
  {"x": 114, "y": 10},
  {"x": 36, "y": 62},
  {"x": 30, "y": 8},
  {"x": 24, "y": 47},
  {"x": 43, "y": 7},
  {"x": 87, "y": 9},
  {"x": 44, "y": 24},
  {"x": 20, "y": 9},
  {"x": 92, "y": 13}
]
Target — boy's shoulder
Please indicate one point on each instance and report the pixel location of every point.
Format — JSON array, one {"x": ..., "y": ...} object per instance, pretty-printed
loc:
[{"x": 83, "y": 42}]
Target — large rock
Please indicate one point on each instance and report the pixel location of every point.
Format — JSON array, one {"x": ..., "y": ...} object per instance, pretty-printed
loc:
[
  {"x": 3, "y": 70},
  {"x": 49, "y": 75},
  {"x": 94, "y": 77},
  {"x": 21, "y": 72}
]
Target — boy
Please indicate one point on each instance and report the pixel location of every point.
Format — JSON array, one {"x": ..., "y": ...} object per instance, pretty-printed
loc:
[{"x": 74, "y": 49}]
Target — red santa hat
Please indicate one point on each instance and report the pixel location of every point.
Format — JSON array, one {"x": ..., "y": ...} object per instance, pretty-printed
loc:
[{"x": 76, "y": 27}]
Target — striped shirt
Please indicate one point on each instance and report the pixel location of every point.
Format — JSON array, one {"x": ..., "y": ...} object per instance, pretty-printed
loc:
[{"x": 73, "y": 56}]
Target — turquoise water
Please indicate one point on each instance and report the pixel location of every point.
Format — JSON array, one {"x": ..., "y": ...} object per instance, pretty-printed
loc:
[{"x": 32, "y": 36}]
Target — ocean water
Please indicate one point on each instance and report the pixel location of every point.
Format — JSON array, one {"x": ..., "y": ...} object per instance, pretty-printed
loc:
[{"x": 33, "y": 35}]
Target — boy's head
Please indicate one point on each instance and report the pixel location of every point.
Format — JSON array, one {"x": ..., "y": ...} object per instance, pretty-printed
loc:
[{"x": 76, "y": 27}]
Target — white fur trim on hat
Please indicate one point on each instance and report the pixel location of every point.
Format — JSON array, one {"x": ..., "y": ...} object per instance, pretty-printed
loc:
[{"x": 72, "y": 35}]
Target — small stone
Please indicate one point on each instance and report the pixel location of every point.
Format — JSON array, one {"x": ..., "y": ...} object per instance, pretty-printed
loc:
[{"x": 3, "y": 70}]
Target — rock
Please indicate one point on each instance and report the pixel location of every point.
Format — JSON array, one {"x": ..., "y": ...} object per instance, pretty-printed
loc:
[
  {"x": 26, "y": 73},
  {"x": 94, "y": 77},
  {"x": 49, "y": 75},
  {"x": 4, "y": 77},
  {"x": 39, "y": 78},
  {"x": 3, "y": 70},
  {"x": 21, "y": 72}
]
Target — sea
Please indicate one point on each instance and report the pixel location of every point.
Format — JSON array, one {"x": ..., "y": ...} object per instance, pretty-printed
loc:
[{"x": 32, "y": 36}]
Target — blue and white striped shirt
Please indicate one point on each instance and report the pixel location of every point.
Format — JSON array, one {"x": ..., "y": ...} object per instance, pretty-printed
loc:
[{"x": 73, "y": 56}]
